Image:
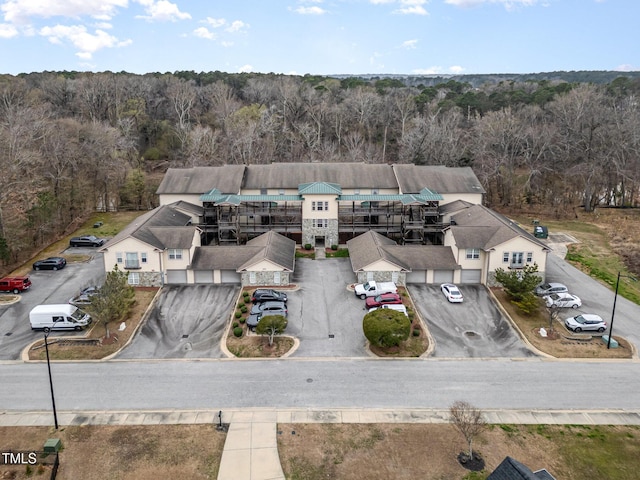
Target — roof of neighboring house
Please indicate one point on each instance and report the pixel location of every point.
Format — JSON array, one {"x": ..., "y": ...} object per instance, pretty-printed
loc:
[
  {"x": 481, "y": 227},
  {"x": 174, "y": 237},
  {"x": 454, "y": 206},
  {"x": 198, "y": 180},
  {"x": 270, "y": 246},
  {"x": 141, "y": 229},
  {"x": 413, "y": 178},
  {"x": 511, "y": 469},
  {"x": 187, "y": 207},
  {"x": 371, "y": 247},
  {"x": 347, "y": 175},
  {"x": 319, "y": 188}
]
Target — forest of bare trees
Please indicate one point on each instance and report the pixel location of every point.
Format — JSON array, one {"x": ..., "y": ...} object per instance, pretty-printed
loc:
[{"x": 71, "y": 143}]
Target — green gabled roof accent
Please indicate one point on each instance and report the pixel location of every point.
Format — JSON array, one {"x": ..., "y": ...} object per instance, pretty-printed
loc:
[
  {"x": 211, "y": 196},
  {"x": 319, "y": 188},
  {"x": 405, "y": 199},
  {"x": 274, "y": 199}
]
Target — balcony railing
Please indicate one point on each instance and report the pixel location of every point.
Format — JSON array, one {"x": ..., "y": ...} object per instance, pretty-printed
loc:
[{"x": 132, "y": 264}]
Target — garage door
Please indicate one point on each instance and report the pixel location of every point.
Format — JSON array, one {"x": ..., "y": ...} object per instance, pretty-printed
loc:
[
  {"x": 442, "y": 276},
  {"x": 230, "y": 276},
  {"x": 417, "y": 276},
  {"x": 471, "y": 276},
  {"x": 203, "y": 276},
  {"x": 176, "y": 276}
]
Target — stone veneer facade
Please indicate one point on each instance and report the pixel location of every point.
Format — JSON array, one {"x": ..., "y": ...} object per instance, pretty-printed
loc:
[
  {"x": 265, "y": 278},
  {"x": 363, "y": 277},
  {"x": 149, "y": 279},
  {"x": 330, "y": 234}
]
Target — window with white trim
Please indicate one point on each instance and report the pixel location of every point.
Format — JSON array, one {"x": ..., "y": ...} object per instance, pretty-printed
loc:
[
  {"x": 119, "y": 257},
  {"x": 320, "y": 206},
  {"x": 143, "y": 257},
  {"x": 252, "y": 278},
  {"x": 505, "y": 257},
  {"x": 473, "y": 253},
  {"x": 529, "y": 257},
  {"x": 175, "y": 254},
  {"x": 326, "y": 206},
  {"x": 281, "y": 191},
  {"x": 313, "y": 206},
  {"x": 133, "y": 278},
  {"x": 276, "y": 278},
  {"x": 320, "y": 223}
]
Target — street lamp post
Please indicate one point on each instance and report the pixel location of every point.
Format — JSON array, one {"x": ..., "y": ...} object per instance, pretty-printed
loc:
[
  {"x": 53, "y": 400},
  {"x": 615, "y": 298}
]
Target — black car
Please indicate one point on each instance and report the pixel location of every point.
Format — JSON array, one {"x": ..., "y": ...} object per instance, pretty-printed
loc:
[
  {"x": 270, "y": 308},
  {"x": 87, "y": 241},
  {"x": 51, "y": 263},
  {"x": 267, "y": 295},
  {"x": 84, "y": 297}
]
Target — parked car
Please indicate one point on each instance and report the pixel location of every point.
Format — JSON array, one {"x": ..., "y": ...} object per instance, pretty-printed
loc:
[
  {"x": 549, "y": 288},
  {"x": 84, "y": 297},
  {"x": 391, "y": 306},
  {"x": 254, "y": 319},
  {"x": 15, "y": 284},
  {"x": 562, "y": 300},
  {"x": 87, "y": 241},
  {"x": 451, "y": 292},
  {"x": 270, "y": 308},
  {"x": 586, "y": 322},
  {"x": 383, "y": 299},
  {"x": 266, "y": 295},
  {"x": 51, "y": 263}
]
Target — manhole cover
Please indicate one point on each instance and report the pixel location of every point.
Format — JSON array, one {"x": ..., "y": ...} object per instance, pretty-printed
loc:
[
  {"x": 187, "y": 347},
  {"x": 471, "y": 334},
  {"x": 309, "y": 380}
]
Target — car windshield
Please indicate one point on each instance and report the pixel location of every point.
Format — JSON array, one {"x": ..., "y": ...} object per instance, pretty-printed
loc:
[
  {"x": 555, "y": 296},
  {"x": 455, "y": 292},
  {"x": 77, "y": 315},
  {"x": 580, "y": 319},
  {"x": 546, "y": 286}
]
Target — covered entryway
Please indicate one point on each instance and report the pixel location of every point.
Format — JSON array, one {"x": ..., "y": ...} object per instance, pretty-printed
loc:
[
  {"x": 471, "y": 276},
  {"x": 416, "y": 276},
  {"x": 176, "y": 276},
  {"x": 203, "y": 276},
  {"x": 442, "y": 276},
  {"x": 230, "y": 276}
]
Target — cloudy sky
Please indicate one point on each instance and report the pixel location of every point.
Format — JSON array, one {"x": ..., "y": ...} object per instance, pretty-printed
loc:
[{"x": 319, "y": 36}]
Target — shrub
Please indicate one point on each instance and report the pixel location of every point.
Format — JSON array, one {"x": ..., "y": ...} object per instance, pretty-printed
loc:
[
  {"x": 238, "y": 314},
  {"x": 243, "y": 320},
  {"x": 412, "y": 315},
  {"x": 416, "y": 332},
  {"x": 237, "y": 331},
  {"x": 240, "y": 305},
  {"x": 386, "y": 328},
  {"x": 243, "y": 309},
  {"x": 235, "y": 324},
  {"x": 334, "y": 247},
  {"x": 307, "y": 246}
]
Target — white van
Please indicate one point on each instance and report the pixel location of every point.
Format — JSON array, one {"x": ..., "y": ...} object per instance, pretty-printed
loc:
[{"x": 58, "y": 317}]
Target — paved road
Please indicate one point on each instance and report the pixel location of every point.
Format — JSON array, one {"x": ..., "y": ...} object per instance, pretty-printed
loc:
[
  {"x": 474, "y": 328},
  {"x": 324, "y": 383}
]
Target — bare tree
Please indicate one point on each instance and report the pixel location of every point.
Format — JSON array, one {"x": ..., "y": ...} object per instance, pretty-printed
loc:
[{"x": 469, "y": 420}]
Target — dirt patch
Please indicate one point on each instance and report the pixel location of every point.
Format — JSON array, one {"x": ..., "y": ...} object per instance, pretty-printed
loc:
[
  {"x": 122, "y": 452},
  {"x": 257, "y": 346},
  {"x": 95, "y": 345},
  {"x": 560, "y": 342}
]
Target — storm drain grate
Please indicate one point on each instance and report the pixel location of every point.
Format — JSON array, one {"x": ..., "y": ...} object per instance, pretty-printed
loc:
[
  {"x": 8, "y": 334},
  {"x": 185, "y": 336},
  {"x": 331, "y": 335},
  {"x": 471, "y": 334}
]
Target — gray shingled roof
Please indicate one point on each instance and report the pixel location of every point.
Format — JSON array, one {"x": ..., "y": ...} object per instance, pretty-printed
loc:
[
  {"x": 347, "y": 175},
  {"x": 371, "y": 247},
  {"x": 174, "y": 237},
  {"x": 270, "y": 246},
  {"x": 140, "y": 228},
  {"x": 413, "y": 178},
  {"x": 511, "y": 469},
  {"x": 454, "y": 206},
  {"x": 481, "y": 227},
  {"x": 188, "y": 208},
  {"x": 197, "y": 180}
]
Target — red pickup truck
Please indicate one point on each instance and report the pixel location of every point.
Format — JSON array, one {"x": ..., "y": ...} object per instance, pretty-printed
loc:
[{"x": 14, "y": 284}]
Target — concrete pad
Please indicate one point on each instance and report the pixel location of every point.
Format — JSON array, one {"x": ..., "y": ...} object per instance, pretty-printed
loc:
[
  {"x": 206, "y": 417},
  {"x": 325, "y": 416},
  {"x": 235, "y": 464},
  {"x": 350, "y": 416},
  {"x": 133, "y": 419},
  {"x": 284, "y": 417},
  {"x": 269, "y": 416},
  {"x": 263, "y": 435},
  {"x": 265, "y": 464},
  {"x": 187, "y": 417},
  {"x": 238, "y": 436}
]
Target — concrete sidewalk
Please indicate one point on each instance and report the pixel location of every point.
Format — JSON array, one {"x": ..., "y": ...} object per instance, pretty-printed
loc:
[{"x": 251, "y": 448}]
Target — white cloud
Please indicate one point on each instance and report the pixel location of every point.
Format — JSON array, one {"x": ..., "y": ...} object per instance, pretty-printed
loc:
[
  {"x": 245, "y": 69},
  {"x": 215, "y": 22},
  {"x": 236, "y": 26},
  {"x": 410, "y": 44},
  {"x": 204, "y": 32},
  {"x": 508, "y": 4},
  {"x": 310, "y": 10},
  {"x": 162, "y": 11},
  {"x": 457, "y": 69},
  {"x": 412, "y": 7},
  {"x": 86, "y": 43},
  {"x": 21, "y": 11},
  {"x": 103, "y": 25},
  {"x": 7, "y": 30},
  {"x": 625, "y": 67},
  {"x": 427, "y": 71}
]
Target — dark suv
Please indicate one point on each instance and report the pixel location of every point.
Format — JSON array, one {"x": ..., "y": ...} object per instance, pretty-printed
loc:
[
  {"x": 267, "y": 295},
  {"x": 51, "y": 263},
  {"x": 270, "y": 308},
  {"x": 87, "y": 241}
]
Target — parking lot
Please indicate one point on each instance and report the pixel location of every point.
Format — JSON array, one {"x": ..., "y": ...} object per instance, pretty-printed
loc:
[
  {"x": 323, "y": 314},
  {"x": 48, "y": 287},
  {"x": 474, "y": 328},
  {"x": 187, "y": 321}
]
